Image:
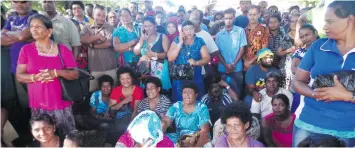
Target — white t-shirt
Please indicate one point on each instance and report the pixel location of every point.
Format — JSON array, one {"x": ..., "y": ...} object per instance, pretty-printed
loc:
[
  {"x": 265, "y": 107},
  {"x": 207, "y": 38}
]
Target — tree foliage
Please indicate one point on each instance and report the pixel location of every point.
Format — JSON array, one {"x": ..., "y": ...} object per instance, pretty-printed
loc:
[{"x": 62, "y": 5}]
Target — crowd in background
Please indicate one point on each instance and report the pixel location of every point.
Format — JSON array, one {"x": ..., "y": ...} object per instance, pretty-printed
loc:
[{"x": 191, "y": 78}]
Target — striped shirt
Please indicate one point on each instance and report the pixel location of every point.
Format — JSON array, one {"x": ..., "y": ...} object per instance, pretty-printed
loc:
[
  {"x": 161, "y": 109},
  {"x": 216, "y": 107}
]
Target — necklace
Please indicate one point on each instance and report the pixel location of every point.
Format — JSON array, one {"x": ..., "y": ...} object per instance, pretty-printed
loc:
[{"x": 39, "y": 47}]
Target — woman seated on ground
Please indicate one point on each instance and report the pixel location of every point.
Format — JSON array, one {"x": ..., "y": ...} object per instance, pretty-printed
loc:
[
  {"x": 278, "y": 126},
  {"x": 154, "y": 101},
  {"x": 125, "y": 99},
  {"x": 43, "y": 130},
  {"x": 100, "y": 116},
  {"x": 237, "y": 118},
  {"x": 136, "y": 136},
  {"x": 99, "y": 99},
  {"x": 190, "y": 117}
]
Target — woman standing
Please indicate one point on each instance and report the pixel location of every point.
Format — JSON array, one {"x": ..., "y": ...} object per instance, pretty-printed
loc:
[
  {"x": 277, "y": 126},
  {"x": 39, "y": 65},
  {"x": 153, "y": 47},
  {"x": 328, "y": 111},
  {"x": 43, "y": 131},
  {"x": 192, "y": 50},
  {"x": 125, "y": 38},
  {"x": 172, "y": 28},
  {"x": 308, "y": 34},
  {"x": 287, "y": 51},
  {"x": 238, "y": 119}
]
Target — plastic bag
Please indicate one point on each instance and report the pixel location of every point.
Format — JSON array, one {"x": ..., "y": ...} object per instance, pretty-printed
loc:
[{"x": 347, "y": 78}]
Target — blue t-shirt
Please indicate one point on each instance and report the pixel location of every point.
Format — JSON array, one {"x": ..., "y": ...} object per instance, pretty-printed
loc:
[
  {"x": 17, "y": 23},
  {"x": 229, "y": 44},
  {"x": 333, "y": 118},
  {"x": 97, "y": 102},
  {"x": 256, "y": 76}
]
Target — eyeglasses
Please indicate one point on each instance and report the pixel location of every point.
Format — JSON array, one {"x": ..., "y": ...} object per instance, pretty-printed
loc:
[{"x": 22, "y": 2}]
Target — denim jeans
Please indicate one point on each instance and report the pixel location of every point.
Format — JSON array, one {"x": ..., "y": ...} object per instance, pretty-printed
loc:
[
  {"x": 235, "y": 80},
  {"x": 300, "y": 134}
]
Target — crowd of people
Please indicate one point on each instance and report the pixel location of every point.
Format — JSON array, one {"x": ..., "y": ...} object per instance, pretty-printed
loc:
[{"x": 191, "y": 78}]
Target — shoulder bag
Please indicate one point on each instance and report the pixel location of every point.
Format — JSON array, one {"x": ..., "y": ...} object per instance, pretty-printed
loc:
[{"x": 74, "y": 90}]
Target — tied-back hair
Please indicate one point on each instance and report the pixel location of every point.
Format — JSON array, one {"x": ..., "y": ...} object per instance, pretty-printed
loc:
[
  {"x": 282, "y": 97},
  {"x": 310, "y": 27},
  {"x": 343, "y": 9},
  {"x": 45, "y": 20}
]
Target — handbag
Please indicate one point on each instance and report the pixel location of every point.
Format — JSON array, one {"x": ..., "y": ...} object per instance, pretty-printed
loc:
[
  {"x": 182, "y": 72},
  {"x": 346, "y": 78},
  {"x": 74, "y": 90}
]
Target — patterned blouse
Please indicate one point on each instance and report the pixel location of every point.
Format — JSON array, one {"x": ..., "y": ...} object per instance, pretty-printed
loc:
[
  {"x": 161, "y": 109},
  {"x": 187, "y": 123},
  {"x": 256, "y": 38}
]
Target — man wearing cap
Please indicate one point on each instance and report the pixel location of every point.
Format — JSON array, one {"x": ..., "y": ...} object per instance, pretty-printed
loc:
[{"x": 255, "y": 76}]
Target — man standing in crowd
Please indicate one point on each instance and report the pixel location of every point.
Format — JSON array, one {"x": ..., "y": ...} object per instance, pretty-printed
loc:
[
  {"x": 255, "y": 76},
  {"x": 181, "y": 14},
  {"x": 64, "y": 30},
  {"x": 278, "y": 38},
  {"x": 257, "y": 36},
  {"x": 88, "y": 10},
  {"x": 133, "y": 7},
  {"x": 16, "y": 34},
  {"x": 78, "y": 11},
  {"x": 272, "y": 88},
  {"x": 196, "y": 18},
  {"x": 242, "y": 20},
  {"x": 148, "y": 8},
  {"x": 101, "y": 55},
  {"x": 112, "y": 19},
  {"x": 231, "y": 41},
  {"x": 263, "y": 7}
]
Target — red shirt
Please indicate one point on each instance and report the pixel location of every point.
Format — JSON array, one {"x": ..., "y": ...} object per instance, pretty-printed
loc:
[{"x": 117, "y": 94}]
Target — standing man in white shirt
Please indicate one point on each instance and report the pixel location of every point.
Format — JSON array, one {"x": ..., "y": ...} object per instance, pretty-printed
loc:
[{"x": 196, "y": 17}]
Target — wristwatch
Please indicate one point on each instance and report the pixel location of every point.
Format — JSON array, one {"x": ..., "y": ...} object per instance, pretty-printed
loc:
[{"x": 228, "y": 87}]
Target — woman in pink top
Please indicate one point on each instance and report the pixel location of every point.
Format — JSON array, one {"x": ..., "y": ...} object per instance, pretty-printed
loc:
[
  {"x": 278, "y": 126},
  {"x": 39, "y": 66}
]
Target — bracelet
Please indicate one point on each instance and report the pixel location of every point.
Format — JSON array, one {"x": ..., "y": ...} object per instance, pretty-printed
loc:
[
  {"x": 55, "y": 73},
  {"x": 33, "y": 78}
]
